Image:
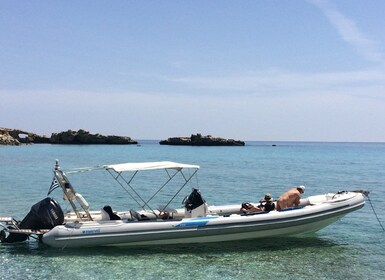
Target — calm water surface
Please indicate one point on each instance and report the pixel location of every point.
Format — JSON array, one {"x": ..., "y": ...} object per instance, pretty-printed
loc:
[{"x": 352, "y": 248}]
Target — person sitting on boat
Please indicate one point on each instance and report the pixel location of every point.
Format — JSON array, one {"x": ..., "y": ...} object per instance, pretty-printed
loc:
[
  {"x": 268, "y": 203},
  {"x": 290, "y": 198},
  {"x": 265, "y": 204}
]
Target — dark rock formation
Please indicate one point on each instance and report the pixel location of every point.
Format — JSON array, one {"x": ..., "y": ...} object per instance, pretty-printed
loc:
[
  {"x": 199, "y": 140},
  {"x": 16, "y": 137},
  {"x": 84, "y": 137}
]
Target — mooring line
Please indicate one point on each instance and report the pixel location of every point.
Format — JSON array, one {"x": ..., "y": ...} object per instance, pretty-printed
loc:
[{"x": 371, "y": 204}]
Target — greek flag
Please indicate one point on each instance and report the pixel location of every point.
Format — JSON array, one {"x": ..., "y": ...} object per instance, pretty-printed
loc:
[{"x": 54, "y": 185}]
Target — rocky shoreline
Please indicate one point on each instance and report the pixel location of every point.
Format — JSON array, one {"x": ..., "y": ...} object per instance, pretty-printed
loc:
[
  {"x": 15, "y": 137},
  {"x": 199, "y": 140}
]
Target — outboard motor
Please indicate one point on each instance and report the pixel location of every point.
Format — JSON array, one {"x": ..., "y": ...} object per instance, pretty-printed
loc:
[
  {"x": 195, "y": 205},
  {"x": 46, "y": 214}
]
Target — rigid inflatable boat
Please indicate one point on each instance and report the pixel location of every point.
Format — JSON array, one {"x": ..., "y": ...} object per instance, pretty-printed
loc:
[{"x": 195, "y": 222}]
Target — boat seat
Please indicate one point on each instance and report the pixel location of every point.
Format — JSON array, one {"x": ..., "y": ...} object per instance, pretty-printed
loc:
[
  {"x": 135, "y": 216},
  {"x": 107, "y": 214},
  {"x": 104, "y": 214}
]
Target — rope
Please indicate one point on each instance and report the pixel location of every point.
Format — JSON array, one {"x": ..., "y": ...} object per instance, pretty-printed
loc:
[{"x": 371, "y": 204}]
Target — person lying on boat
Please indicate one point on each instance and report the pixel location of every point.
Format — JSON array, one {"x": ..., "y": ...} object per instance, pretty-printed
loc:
[
  {"x": 265, "y": 204},
  {"x": 290, "y": 198}
]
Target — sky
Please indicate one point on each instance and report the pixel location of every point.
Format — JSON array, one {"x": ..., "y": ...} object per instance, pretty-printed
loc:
[{"x": 268, "y": 70}]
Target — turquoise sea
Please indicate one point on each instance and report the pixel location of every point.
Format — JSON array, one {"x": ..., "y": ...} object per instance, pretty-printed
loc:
[{"x": 352, "y": 248}]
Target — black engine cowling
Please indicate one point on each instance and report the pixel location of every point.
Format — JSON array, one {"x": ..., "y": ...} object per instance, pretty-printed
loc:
[{"x": 46, "y": 214}]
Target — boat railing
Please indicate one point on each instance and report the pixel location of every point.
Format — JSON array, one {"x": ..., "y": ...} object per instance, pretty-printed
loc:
[
  {"x": 76, "y": 200},
  {"x": 5, "y": 222}
]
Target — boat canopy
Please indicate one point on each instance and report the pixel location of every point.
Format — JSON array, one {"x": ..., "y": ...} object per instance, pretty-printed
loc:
[
  {"x": 149, "y": 166},
  {"x": 125, "y": 180},
  {"x": 138, "y": 166}
]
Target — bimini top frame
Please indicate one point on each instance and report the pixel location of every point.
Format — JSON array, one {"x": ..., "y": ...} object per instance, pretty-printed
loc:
[
  {"x": 137, "y": 166},
  {"x": 172, "y": 169},
  {"x": 116, "y": 170}
]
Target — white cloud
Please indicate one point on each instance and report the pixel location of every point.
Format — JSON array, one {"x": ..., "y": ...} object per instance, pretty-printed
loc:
[
  {"x": 278, "y": 83},
  {"x": 350, "y": 32}
]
